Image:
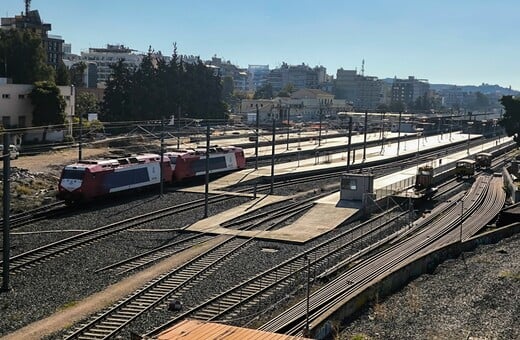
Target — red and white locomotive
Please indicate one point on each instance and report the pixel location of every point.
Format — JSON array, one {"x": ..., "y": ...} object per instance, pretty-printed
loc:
[
  {"x": 89, "y": 179},
  {"x": 192, "y": 162}
]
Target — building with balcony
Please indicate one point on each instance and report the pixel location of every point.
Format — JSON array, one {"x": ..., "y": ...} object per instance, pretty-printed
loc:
[
  {"x": 364, "y": 92},
  {"x": 408, "y": 90},
  {"x": 299, "y": 76},
  {"x": 105, "y": 57}
]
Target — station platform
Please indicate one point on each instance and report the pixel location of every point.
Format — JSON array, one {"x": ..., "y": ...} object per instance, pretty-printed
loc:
[{"x": 313, "y": 224}]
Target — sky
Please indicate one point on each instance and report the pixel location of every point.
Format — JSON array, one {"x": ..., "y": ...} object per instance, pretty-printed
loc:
[{"x": 462, "y": 42}]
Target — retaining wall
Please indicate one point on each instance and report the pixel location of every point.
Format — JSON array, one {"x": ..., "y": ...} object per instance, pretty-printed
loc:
[{"x": 324, "y": 329}]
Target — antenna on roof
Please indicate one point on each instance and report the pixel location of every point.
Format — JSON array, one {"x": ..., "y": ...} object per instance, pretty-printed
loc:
[
  {"x": 363, "y": 67},
  {"x": 27, "y": 7}
]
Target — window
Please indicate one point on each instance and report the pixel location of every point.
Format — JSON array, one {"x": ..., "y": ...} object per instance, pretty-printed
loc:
[
  {"x": 6, "y": 96},
  {"x": 21, "y": 121},
  {"x": 6, "y": 121},
  {"x": 349, "y": 184}
]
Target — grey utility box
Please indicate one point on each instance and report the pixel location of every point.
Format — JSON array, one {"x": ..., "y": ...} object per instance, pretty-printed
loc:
[{"x": 354, "y": 187}]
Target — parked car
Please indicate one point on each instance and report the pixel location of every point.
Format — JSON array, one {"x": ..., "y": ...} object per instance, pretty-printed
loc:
[{"x": 13, "y": 151}]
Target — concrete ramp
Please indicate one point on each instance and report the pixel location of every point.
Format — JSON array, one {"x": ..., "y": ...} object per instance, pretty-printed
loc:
[{"x": 325, "y": 215}]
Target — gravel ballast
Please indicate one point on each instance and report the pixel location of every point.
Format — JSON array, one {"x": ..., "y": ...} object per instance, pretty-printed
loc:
[{"x": 476, "y": 296}]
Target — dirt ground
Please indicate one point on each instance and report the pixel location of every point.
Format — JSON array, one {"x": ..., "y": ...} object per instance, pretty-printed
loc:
[{"x": 52, "y": 162}]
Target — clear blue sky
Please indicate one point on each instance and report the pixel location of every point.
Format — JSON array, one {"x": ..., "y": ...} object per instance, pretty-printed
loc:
[{"x": 464, "y": 42}]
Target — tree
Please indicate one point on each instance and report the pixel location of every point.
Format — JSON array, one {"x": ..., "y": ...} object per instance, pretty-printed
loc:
[
  {"x": 22, "y": 57},
  {"x": 287, "y": 90},
  {"x": 397, "y": 106},
  {"x": 264, "y": 92},
  {"x": 481, "y": 102},
  {"x": 86, "y": 102},
  {"x": 48, "y": 104},
  {"x": 77, "y": 73},
  {"x": 510, "y": 121},
  {"x": 62, "y": 75}
]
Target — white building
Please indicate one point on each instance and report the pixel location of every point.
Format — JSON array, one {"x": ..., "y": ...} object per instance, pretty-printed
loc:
[
  {"x": 104, "y": 58},
  {"x": 17, "y": 111}
]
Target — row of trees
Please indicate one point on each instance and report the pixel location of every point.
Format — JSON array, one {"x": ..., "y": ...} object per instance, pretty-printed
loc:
[
  {"x": 153, "y": 90},
  {"x": 511, "y": 119},
  {"x": 158, "y": 88}
]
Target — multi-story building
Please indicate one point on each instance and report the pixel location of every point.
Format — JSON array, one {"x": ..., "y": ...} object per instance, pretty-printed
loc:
[
  {"x": 227, "y": 69},
  {"x": 300, "y": 76},
  {"x": 52, "y": 44},
  {"x": 256, "y": 76},
  {"x": 364, "y": 92},
  {"x": 302, "y": 106},
  {"x": 104, "y": 58},
  {"x": 17, "y": 110},
  {"x": 408, "y": 90}
]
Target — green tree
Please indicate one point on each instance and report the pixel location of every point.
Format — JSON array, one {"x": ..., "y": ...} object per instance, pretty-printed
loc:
[
  {"x": 287, "y": 90},
  {"x": 49, "y": 105},
  {"x": 86, "y": 102},
  {"x": 117, "y": 102},
  {"x": 62, "y": 75},
  {"x": 264, "y": 92},
  {"x": 511, "y": 119},
  {"x": 77, "y": 74},
  {"x": 23, "y": 58},
  {"x": 481, "y": 102},
  {"x": 397, "y": 106}
]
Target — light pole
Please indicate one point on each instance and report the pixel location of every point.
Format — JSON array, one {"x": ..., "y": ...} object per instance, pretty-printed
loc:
[
  {"x": 469, "y": 135},
  {"x": 419, "y": 132},
  {"x": 288, "y": 124},
  {"x": 72, "y": 102},
  {"x": 461, "y": 217}
]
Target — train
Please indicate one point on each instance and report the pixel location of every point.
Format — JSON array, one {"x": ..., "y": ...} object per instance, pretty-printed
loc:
[
  {"x": 90, "y": 179},
  {"x": 465, "y": 168},
  {"x": 423, "y": 187},
  {"x": 483, "y": 160}
]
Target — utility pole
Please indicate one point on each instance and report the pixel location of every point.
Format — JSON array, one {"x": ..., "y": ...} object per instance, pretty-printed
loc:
[
  {"x": 206, "y": 179},
  {"x": 272, "y": 157},
  {"x": 162, "y": 157},
  {"x": 365, "y": 137},
  {"x": 319, "y": 133},
  {"x": 349, "y": 142},
  {"x": 399, "y": 133},
  {"x": 288, "y": 124},
  {"x": 256, "y": 137},
  {"x": 6, "y": 244},
  {"x": 80, "y": 145}
]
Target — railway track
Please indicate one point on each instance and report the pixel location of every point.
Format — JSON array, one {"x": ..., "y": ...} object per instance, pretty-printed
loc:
[
  {"x": 242, "y": 299},
  {"x": 168, "y": 287},
  {"x": 481, "y": 202},
  {"x": 28, "y": 259}
]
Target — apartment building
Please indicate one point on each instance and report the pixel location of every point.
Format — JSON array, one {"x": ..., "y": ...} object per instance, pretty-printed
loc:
[
  {"x": 16, "y": 108},
  {"x": 364, "y": 92},
  {"x": 408, "y": 90},
  {"x": 52, "y": 44}
]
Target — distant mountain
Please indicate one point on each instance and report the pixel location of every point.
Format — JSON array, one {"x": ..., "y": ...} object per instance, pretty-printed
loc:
[{"x": 484, "y": 88}]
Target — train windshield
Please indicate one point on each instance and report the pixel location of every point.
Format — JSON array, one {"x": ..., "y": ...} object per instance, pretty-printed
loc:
[{"x": 73, "y": 174}]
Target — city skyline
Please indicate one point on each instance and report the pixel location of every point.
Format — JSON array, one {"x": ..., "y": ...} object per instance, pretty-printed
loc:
[{"x": 464, "y": 42}]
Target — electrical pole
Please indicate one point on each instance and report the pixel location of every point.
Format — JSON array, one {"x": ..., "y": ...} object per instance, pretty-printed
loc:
[
  {"x": 256, "y": 137},
  {"x": 80, "y": 145},
  {"x": 162, "y": 157},
  {"x": 272, "y": 157},
  {"x": 399, "y": 133},
  {"x": 288, "y": 124},
  {"x": 7, "y": 206},
  {"x": 349, "y": 142},
  {"x": 365, "y": 137},
  {"x": 206, "y": 180},
  {"x": 319, "y": 133}
]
